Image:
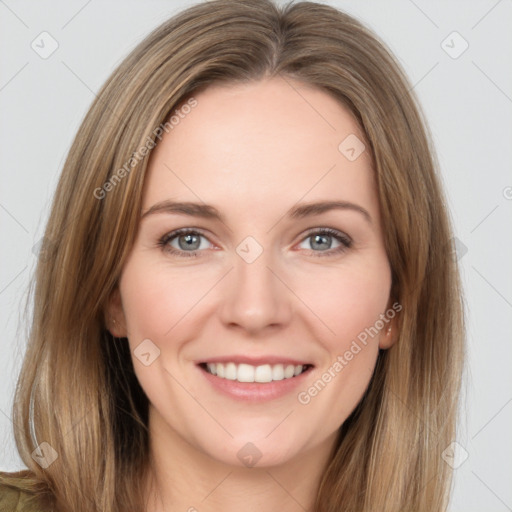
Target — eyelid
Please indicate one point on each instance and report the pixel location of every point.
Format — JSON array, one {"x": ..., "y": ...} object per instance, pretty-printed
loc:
[
  {"x": 336, "y": 233},
  {"x": 164, "y": 240}
]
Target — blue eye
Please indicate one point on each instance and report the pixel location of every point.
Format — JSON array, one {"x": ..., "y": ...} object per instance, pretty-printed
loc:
[
  {"x": 322, "y": 239},
  {"x": 189, "y": 242},
  {"x": 186, "y": 239}
]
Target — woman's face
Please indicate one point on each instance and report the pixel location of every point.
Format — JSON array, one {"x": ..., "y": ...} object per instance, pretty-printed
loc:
[{"x": 258, "y": 281}]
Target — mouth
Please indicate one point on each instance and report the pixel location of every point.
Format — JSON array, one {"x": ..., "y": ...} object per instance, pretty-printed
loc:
[{"x": 246, "y": 373}]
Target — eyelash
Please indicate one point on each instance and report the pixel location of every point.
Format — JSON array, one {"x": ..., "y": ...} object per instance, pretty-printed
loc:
[{"x": 346, "y": 243}]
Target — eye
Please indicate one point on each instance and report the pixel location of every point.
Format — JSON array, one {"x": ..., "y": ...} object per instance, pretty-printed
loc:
[
  {"x": 321, "y": 241},
  {"x": 183, "y": 242},
  {"x": 187, "y": 242}
]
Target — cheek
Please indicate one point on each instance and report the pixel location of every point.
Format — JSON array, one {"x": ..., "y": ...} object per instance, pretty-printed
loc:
[
  {"x": 351, "y": 303},
  {"x": 160, "y": 304},
  {"x": 156, "y": 299},
  {"x": 355, "y": 310},
  {"x": 346, "y": 301}
]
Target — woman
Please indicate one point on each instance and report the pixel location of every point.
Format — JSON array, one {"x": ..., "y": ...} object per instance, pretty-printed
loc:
[{"x": 306, "y": 353}]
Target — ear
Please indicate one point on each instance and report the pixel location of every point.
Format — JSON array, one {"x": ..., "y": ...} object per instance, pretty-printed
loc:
[
  {"x": 389, "y": 333},
  {"x": 115, "y": 319}
]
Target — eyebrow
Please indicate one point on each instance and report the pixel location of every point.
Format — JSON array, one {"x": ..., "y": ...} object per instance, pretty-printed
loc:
[{"x": 207, "y": 211}]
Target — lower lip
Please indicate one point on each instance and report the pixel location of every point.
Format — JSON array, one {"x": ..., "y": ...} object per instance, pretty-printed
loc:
[{"x": 255, "y": 391}]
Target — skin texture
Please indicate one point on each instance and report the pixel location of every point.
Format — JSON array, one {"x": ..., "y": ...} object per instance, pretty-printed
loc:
[{"x": 253, "y": 151}]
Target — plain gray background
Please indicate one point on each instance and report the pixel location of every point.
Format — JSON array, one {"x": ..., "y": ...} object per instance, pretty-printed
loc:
[{"x": 467, "y": 98}]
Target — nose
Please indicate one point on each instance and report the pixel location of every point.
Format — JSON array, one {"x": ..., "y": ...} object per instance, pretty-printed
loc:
[{"x": 255, "y": 298}]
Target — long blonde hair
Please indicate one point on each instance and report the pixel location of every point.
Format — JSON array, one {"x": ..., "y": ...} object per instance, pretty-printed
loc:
[{"x": 77, "y": 390}]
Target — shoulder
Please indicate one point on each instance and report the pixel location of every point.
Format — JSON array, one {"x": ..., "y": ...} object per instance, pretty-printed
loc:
[
  {"x": 16, "y": 500},
  {"x": 9, "y": 499}
]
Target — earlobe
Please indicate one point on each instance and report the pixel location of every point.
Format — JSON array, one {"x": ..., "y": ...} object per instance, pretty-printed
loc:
[
  {"x": 387, "y": 337},
  {"x": 114, "y": 315},
  {"x": 385, "y": 340},
  {"x": 389, "y": 333}
]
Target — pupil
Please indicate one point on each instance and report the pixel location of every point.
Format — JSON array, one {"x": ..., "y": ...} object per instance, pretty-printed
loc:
[
  {"x": 322, "y": 238},
  {"x": 190, "y": 240}
]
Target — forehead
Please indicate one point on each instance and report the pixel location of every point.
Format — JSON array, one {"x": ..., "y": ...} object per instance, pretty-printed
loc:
[{"x": 260, "y": 145}]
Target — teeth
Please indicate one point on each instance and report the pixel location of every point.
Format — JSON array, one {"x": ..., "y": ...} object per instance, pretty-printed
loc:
[
  {"x": 261, "y": 373},
  {"x": 289, "y": 371},
  {"x": 277, "y": 372},
  {"x": 245, "y": 373},
  {"x": 230, "y": 371},
  {"x": 248, "y": 373}
]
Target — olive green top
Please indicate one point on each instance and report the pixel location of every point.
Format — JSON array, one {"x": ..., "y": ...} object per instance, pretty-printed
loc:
[{"x": 14, "y": 500}]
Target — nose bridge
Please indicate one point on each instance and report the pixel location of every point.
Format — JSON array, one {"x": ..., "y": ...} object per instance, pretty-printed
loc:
[{"x": 256, "y": 298}]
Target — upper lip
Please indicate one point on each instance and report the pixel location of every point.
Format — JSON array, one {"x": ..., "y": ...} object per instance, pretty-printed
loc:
[{"x": 255, "y": 361}]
